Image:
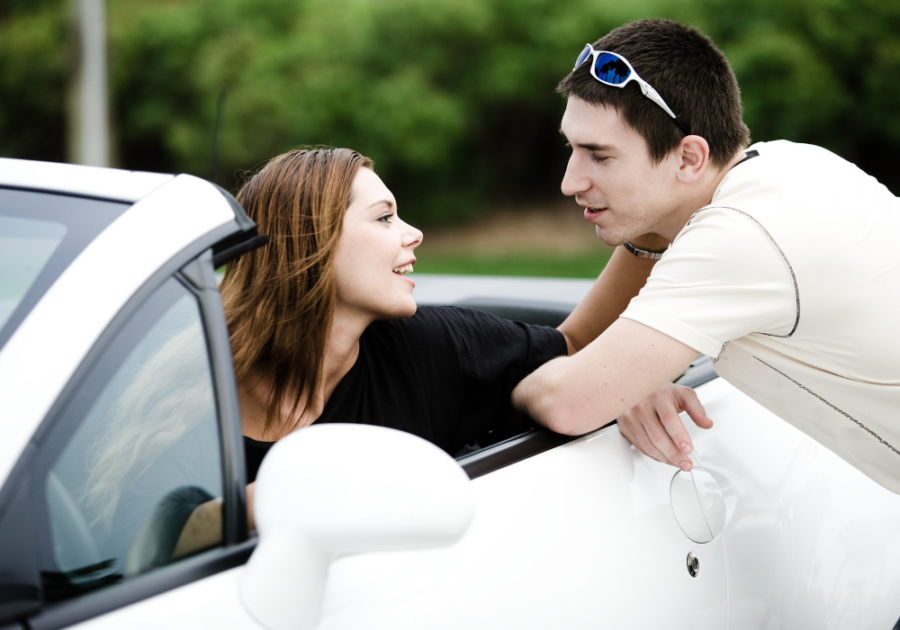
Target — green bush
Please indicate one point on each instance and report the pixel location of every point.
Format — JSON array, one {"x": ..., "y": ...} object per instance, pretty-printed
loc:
[{"x": 453, "y": 99}]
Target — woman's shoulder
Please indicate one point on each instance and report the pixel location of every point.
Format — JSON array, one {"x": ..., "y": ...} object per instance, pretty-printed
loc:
[{"x": 436, "y": 321}]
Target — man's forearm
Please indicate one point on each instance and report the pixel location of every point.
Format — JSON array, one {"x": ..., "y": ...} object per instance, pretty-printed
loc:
[{"x": 577, "y": 394}]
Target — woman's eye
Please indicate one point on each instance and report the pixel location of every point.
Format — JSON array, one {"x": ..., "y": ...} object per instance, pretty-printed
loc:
[{"x": 386, "y": 218}]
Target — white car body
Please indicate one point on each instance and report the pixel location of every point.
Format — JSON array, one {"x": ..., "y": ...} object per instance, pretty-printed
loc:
[{"x": 574, "y": 533}]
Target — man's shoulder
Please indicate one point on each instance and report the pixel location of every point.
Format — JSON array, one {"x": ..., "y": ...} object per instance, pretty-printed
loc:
[{"x": 795, "y": 174}]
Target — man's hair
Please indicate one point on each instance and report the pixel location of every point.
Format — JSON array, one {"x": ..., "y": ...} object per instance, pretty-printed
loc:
[{"x": 689, "y": 72}]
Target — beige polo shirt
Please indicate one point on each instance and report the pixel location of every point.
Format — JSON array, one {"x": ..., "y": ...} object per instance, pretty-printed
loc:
[{"x": 790, "y": 281}]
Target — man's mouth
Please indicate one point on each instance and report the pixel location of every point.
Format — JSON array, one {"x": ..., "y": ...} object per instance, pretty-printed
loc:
[{"x": 590, "y": 213}]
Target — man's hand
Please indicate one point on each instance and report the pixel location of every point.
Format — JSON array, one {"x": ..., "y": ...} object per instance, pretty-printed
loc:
[{"x": 654, "y": 427}]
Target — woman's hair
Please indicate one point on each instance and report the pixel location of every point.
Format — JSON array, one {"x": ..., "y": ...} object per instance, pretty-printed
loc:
[{"x": 279, "y": 299}]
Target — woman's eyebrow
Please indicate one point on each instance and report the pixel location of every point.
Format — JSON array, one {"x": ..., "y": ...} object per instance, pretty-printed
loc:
[{"x": 387, "y": 202}]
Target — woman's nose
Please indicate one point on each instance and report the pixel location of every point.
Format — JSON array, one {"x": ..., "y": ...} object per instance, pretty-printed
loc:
[{"x": 412, "y": 237}]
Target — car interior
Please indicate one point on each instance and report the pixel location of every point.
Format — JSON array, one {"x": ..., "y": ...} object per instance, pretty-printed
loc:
[{"x": 517, "y": 436}]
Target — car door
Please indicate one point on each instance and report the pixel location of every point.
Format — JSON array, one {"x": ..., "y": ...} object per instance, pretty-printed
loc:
[
  {"x": 579, "y": 536},
  {"x": 92, "y": 518},
  {"x": 811, "y": 542}
]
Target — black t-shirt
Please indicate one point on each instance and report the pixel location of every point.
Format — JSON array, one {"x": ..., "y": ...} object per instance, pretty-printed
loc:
[{"x": 444, "y": 374}]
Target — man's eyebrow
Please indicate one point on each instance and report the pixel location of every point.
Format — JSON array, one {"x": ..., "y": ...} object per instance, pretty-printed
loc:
[{"x": 589, "y": 146}]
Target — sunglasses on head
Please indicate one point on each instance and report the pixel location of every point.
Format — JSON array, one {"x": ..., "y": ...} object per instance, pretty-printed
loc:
[{"x": 614, "y": 70}]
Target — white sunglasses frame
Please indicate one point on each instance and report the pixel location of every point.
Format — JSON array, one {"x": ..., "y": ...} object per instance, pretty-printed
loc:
[{"x": 646, "y": 88}]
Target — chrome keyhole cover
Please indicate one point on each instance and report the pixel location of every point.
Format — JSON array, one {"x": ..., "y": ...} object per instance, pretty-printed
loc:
[{"x": 693, "y": 564}]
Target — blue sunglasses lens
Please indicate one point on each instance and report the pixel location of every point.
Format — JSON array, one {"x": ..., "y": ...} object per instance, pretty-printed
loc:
[
  {"x": 583, "y": 56},
  {"x": 611, "y": 69}
]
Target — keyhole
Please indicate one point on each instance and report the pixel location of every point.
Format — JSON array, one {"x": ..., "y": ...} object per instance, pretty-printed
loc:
[{"x": 693, "y": 565}]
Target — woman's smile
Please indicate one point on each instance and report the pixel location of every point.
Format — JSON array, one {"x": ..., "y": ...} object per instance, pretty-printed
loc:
[{"x": 404, "y": 269}]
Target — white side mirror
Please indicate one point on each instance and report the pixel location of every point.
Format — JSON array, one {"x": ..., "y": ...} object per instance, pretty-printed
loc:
[{"x": 337, "y": 489}]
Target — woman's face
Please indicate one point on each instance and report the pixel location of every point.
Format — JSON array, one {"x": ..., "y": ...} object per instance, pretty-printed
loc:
[{"x": 374, "y": 253}]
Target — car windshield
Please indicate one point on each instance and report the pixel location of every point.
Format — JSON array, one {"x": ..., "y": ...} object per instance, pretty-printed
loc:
[{"x": 40, "y": 235}]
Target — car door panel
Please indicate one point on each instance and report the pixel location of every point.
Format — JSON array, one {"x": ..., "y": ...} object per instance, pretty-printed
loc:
[
  {"x": 812, "y": 542},
  {"x": 581, "y": 536},
  {"x": 211, "y": 602}
]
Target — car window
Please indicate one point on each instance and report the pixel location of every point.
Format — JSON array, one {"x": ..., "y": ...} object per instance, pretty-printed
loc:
[
  {"x": 25, "y": 247},
  {"x": 40, "y": 235},
  {"x": 133, "y": 454}
]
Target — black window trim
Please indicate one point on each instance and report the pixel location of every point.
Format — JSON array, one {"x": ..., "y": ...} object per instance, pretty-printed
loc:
[
  {"x": 539, "y": 440},
  {"x": 142, "y": 587},
  {"x": 200, "y": 273},
  {"x": 235, "y": 551}
]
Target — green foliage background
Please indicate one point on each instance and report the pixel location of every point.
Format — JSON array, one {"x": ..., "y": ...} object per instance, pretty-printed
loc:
[{"x": 454, "y": 99}]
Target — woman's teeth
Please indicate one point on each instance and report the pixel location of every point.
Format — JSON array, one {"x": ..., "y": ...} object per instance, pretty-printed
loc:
[{"x": 404, "y": 269}]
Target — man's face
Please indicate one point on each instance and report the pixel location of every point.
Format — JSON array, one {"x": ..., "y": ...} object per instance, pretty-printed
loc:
[{"x": 611, "y": 175}]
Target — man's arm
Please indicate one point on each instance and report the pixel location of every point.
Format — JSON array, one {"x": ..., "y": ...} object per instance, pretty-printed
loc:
[
  {"x": 621, "y": 280},
  {"x": 613, "y": 373}
]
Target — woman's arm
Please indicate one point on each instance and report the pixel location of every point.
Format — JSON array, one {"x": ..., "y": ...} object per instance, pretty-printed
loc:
[{"x": 204, "y": 526}]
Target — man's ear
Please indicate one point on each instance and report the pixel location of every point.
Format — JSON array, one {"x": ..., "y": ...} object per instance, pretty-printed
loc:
[{"x": 693, "y": 154}]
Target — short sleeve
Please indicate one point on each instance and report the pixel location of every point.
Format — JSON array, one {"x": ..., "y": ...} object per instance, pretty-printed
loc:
[{"x": 723, "y": 277}]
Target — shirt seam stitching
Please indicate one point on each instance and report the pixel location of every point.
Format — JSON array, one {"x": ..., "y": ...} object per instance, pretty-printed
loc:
[
  {"x": 780, "y": 253},
  {"x": 834, "y": 407}
]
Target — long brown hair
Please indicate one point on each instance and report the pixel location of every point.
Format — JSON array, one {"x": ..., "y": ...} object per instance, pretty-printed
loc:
[{"x": 279, "y": 299}]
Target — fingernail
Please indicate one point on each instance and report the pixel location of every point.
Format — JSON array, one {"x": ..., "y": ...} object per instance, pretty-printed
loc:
[
  {"x": 686, "y": 448},
  {"x": 686, "y": 466}
]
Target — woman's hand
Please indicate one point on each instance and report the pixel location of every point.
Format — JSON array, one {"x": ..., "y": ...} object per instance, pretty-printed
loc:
[
  {"x": 654, "y": 427},
  {"x": 251, "y": 521},
  {"x": 203, "y": 529},
  {"x": 204, "y": 526}
]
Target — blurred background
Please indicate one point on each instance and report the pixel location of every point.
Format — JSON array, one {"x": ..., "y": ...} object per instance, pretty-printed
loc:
[{"x": 453, "y": 99}]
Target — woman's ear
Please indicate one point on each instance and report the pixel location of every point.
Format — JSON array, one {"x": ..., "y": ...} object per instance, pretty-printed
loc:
[{"x": 693, "y": 154}]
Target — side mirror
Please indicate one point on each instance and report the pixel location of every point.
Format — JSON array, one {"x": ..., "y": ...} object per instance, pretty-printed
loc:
[{"x": 337, "y": 489}]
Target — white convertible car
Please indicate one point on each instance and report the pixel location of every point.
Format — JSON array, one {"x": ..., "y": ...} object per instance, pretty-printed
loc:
[{"x": 117, "y": 400}]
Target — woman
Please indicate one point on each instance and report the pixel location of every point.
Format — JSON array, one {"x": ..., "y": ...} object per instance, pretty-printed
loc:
[{"x": 324, "y": 327}]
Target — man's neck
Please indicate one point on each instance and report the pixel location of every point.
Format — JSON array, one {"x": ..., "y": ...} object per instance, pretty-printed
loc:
[{"x": 700, "y": 194}]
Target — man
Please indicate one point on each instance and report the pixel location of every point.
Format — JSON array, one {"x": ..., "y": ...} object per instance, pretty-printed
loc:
[{"x": 782, "y": 265}]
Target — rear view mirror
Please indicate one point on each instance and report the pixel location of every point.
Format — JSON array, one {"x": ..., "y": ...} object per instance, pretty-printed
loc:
[{"x": 338, "y": 489}]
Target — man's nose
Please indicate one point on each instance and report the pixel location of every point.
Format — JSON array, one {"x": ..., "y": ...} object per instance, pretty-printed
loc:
[{"x": 574, "y": 181}]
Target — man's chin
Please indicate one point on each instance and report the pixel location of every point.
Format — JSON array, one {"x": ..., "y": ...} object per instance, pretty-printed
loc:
[{"x": 613, "y": 240}]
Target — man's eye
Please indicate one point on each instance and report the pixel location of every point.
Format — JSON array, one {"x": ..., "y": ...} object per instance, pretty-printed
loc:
[{"x": 599, "y": 158}]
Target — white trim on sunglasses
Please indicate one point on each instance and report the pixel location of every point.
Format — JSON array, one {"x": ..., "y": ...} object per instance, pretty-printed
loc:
[{"x": 646, "y": 88}]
